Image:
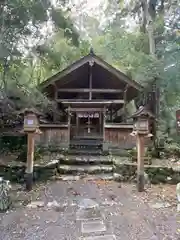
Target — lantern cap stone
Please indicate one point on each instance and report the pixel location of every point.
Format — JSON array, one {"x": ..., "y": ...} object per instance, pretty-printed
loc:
[
  {"x": 142, "y": 112},
  {"x": 26, "y": 111}
]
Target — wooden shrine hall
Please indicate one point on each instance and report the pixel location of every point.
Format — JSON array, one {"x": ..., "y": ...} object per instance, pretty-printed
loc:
[{"x": 91, "y": 99}]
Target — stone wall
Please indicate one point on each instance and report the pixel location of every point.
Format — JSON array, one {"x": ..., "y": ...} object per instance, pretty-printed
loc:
[
  {"x": 127, "y": 172},
  {"x": 122, "y": 172},
  {"x": 16, "y": 173}
]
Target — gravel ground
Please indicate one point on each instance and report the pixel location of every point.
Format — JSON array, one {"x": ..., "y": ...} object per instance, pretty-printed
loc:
[{"x": 126, "y": 214}]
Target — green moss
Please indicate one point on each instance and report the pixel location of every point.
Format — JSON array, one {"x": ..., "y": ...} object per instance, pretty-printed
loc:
[
  {"x": 156, "y": 175},
  {"x": 22, "y": 157}
]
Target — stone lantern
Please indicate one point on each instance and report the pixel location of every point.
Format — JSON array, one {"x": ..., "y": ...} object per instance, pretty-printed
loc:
[
  {"x": 31, "y": 120},
  {"x": 141, "y": 122},
  {"x": 141, "y": 130},
  {"x": 31, "y": 127}
]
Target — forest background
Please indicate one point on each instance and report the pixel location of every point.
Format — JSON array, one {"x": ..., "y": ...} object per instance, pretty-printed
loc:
[{"x": 41, "y": 37}]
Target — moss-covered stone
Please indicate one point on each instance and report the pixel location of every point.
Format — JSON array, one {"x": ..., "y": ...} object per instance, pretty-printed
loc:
[
  {"x": 89, "y": 169},
  {"x": 17, "y": 173},
  {"x": 156, "y": 174}
]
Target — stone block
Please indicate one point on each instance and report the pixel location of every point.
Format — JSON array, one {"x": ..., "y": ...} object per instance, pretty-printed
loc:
[
  {"x": 104, "y": 237},
  {"x": 93, "y": 226}
]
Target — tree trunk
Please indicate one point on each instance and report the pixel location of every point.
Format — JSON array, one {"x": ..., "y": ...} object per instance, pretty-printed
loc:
[
  {"x": 148, "y": 18},
  {"x": 150, "y": 29},
  {"x": 144, "y": 18}
]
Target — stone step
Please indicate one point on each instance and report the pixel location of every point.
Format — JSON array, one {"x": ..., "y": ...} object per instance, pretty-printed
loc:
[
  {"x": 85, "y": 142},
  {"x": 102, "y": 176},
  {"x": 119, "y": 152},
  {"x": 86, "y": 177},
  {"x": 72, "y": 169},
  {"x": 92, "y": 152},
  {"x": 85, "y": 159},
  {"x": 86, "y": 147}
]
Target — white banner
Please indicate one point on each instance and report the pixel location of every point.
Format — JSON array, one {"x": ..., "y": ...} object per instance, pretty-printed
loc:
[{"x": 88, "y": 115}]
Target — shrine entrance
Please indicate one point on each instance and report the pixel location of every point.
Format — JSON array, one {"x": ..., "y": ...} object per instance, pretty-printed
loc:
[{"x": 86, "y": 126}]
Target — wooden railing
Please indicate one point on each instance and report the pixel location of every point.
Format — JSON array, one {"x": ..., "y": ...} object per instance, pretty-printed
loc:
[
  {"x": 118, "y": 126},
  {"x": 118, "y": 135},
  {"x": 53, "y": 134}
]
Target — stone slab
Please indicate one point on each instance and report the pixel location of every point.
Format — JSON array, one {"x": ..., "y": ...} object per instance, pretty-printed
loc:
[
  {"x": 87, "y": 203},
  {"x": 103, "y": 176},
  {"x": 159, "y": 205},
  {"x": 93, "y": 226},
  {"x": 87, "y": 214},
  {"x": 86, "y": 168},
  {"x": 178, "y": 207},
  {"x": 104, "y": 237},
  {"x": 69, "y": 178},
  {"x": 36, "y": 204}
]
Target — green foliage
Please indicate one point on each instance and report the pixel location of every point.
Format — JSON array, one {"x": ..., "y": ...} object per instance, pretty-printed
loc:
[
  {"x": 12, "y": 143},
  {"x": 172, "y": 149},
  {"x": 23, "y": 154},
  {"x": 26, "y": 24},
  {"x": 38, "y": 39},
  {"x": 62, "y": 21},
  {"x": 132, "y": 154}
]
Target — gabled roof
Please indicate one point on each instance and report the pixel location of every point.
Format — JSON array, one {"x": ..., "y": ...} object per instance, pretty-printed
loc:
[{"x": 92, "y": 57}]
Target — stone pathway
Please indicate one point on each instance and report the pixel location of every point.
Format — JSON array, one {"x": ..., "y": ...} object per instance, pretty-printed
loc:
[
  {"x": 93, "y": 222},
  {"x": 89, "y": 210}
]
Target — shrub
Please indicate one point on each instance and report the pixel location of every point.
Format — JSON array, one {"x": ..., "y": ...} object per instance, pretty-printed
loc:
[{"x": 23, "y": 154}]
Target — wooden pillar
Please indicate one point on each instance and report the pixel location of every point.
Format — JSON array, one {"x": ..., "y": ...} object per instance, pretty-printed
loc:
[
  {"x": 100, "y": 122},
  {"x": 46, "y": 137},
  {"x": 91, "y": 63},
  {"x": 30, "y": 161},
  {"x": 104, "y": 122},
  {"x": 140, "y": 162},
  {"x": 111, "y": 114},
  {"x": 125, "y": 103},
  {"x": 77, "y": 124},
  {"x": 105, "y": 144},
  {"x": 56, "y": 104},
  {"x": 90, "y": 85},
  {"x": 69, "y": 125}
]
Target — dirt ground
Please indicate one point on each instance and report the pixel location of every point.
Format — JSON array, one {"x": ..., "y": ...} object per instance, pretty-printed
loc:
[{"x": 122, "y": 213}]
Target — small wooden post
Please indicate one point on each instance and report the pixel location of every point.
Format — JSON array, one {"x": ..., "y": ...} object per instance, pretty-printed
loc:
[
  {"x": 30, "y": 161},
  {"x": 140, "y": 162}
]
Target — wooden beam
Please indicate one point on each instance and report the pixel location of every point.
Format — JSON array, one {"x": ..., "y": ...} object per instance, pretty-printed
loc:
[
  {"x": 51, "y": 125},
  {"x": 119, "y": 125},
  {"x": 84, "y": 101},
  {"x": 87, "y": 90},
  {"x": 87, "y": 109}
]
